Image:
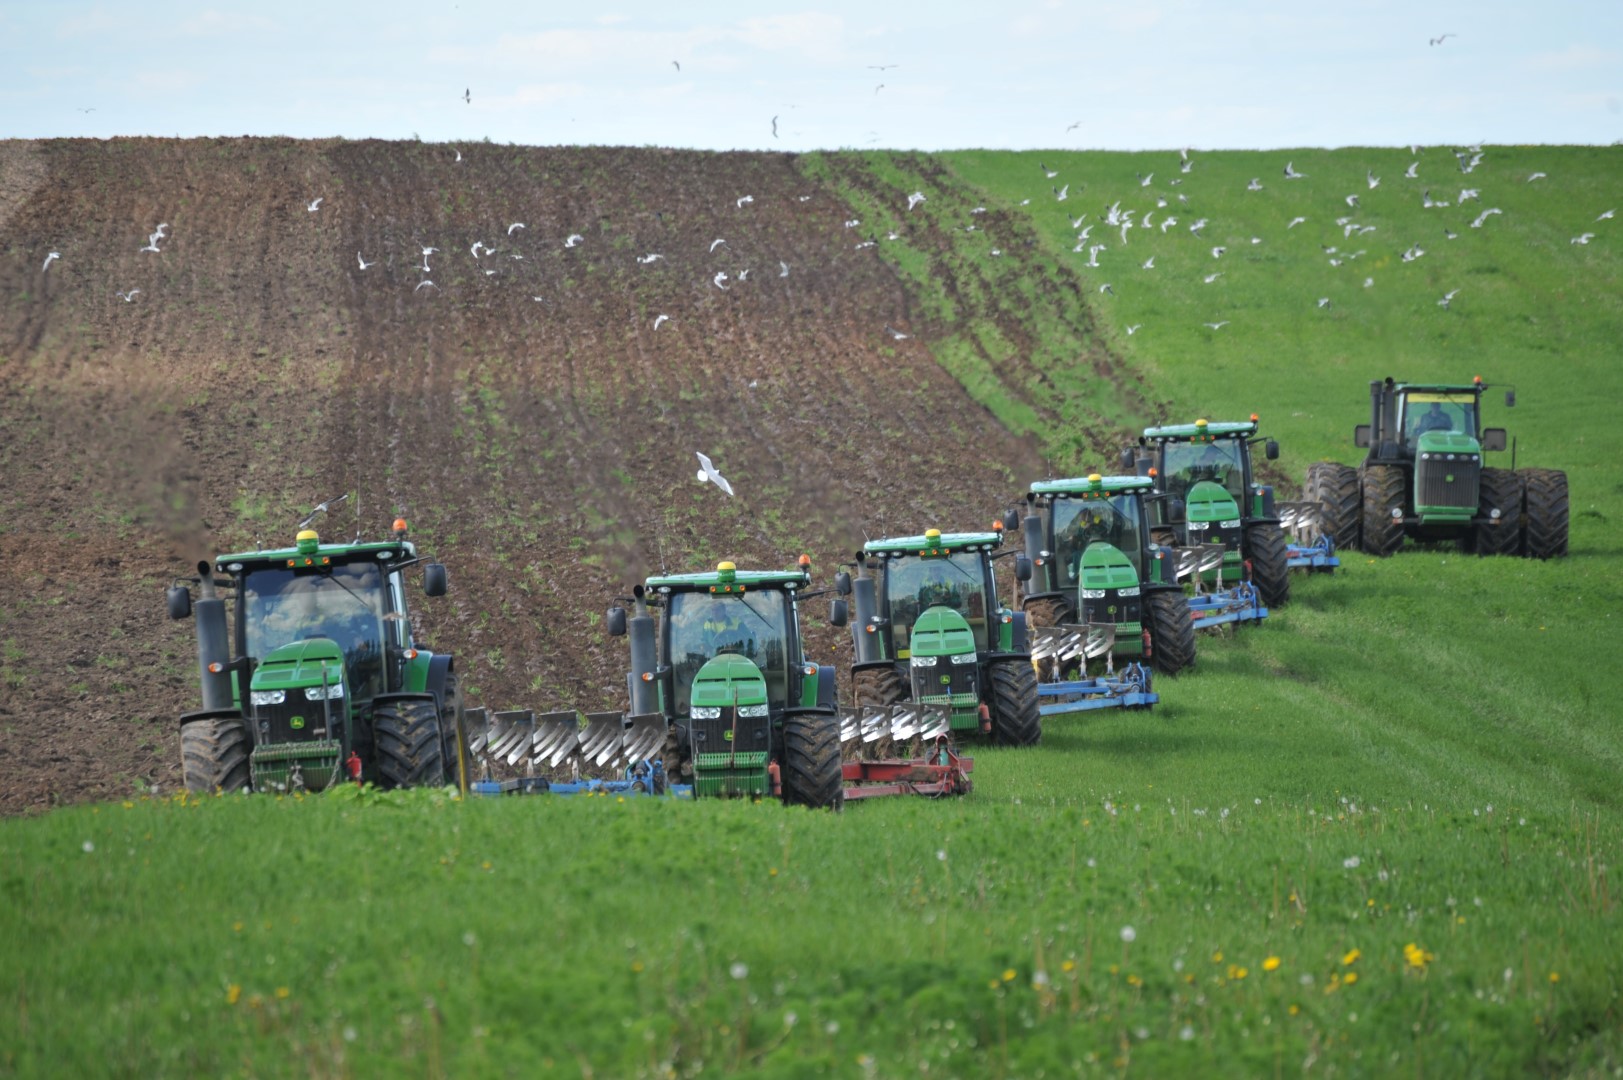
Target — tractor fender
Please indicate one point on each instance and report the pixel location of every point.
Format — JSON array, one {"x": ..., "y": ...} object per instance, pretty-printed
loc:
[
  {"x": 439, "y": 666},
  {"x": 1017, "y": 634},
  {"x": 825, "y": 686},
  {"x": 209, "y": 714}
]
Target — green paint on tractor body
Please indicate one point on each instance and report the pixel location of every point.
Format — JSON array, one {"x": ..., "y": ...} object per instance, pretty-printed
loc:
[
  {"x": 1086, "y": 485},
  {"x": 1108, "y": 591},
  {"x": 1213, "y": 517},
  {"x": 942, "y": 544},
  {"x": 1451, "y": 461},
  {"x": 732, "y": 729},
  {"x": 943, "y": 664},
  {"x": 1199, "y": 432}
]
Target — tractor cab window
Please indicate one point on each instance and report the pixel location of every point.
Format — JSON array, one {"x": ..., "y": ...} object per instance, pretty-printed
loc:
[
  {"x": 752, "y": 624},
  {"x": 344, "y": 603},
  {"x": 1080, "y": 522},
  {"x": 1186, "y": 464},
  {"x": 1435, "y": 411},
  {"x": 915, "y": 582}
]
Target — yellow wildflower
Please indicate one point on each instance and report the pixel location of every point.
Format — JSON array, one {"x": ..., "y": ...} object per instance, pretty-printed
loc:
[
  {"x": 1352, "y": 977},
  {"x": 233, "y": 994},
  {"x": 1555, "y": 976},
  {"x": 1294, "y": 1010},
  {"x": 1271, "y": 964},
  {"x": 1351, "y": 958},
  {"x": 282, "y": 993},
  {"x": 1217, "y": 957},
  {"x": 1008, "y": 975},
  {"x": 1068, "y": 966},
  {"x": 1134, "y": 980}
]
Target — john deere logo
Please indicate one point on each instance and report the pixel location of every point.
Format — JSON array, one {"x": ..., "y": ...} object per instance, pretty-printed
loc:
[
  {"x": 297, "y": 723},
  {"x": 727, "y": 736},
  {"x": 946, "y": 680}
]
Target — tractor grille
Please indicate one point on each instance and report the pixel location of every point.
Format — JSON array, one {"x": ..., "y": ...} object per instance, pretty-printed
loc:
[
  {"x": 945, "y": 680},
  {"x": 296, "y": 720},
  {"x": 753, "y": 734},
  {"x": 1110, "y": 608},
  {"x": 1433, "y": 488}
]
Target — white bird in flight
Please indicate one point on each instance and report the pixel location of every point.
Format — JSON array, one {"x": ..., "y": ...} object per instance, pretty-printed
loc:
[
  {"x": 707, "y": 471},
  {"x": 425, "y": 283},
  {"x": 1149, "y": 263},
  {"x": 659, "y": 319},
  {"x": 1413, "y": 171},
  {"x": 714, "y": 244},
  {"x": 652, "y": 256},
  {"x": 1295, "y": 222},
  {"x": 315, "y": 204},
  {"x": 1061, "y": 194},
  {"x": 1213, "y": 277},
  {"x": 573, "y": 239},
  {"x": 1217, "y": 252},
  {"x": 515, "y": 225},
  {"x": 1536, "y": 176},
  {"x": 1484, "y": 216},
  {"x": 1371, "y": 179},
  {"x": 49, "y": 259},
  {"x": 744, "y": 199},
  {"x": 1255, "y": 184},
  {"x": 1583, "y": 238},
  {"x": 783, "y": 268},
  {"x": 1217, "y": 325},
  {"x": 1105, "y": 288},
  {"x": 1292, "y": 174},
  {"x": 895, "y": 333},
  {"x": 1131, "y": 330},
  {"x": 363, "y": 262},
  {"x": 128, "y": 296},
  {"x": 1448, "y": 297},
  {"x": 721, "y": 276},
  {"x": 1609, "y": 214},
  {"x": 914, "y": 199}
]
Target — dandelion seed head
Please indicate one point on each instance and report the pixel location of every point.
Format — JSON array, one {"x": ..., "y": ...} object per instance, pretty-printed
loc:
[
  {"x": 941, "y": 855},
  {"x": 1351, "y": 862},
  {"x": 739, "y": 969},
  {"x": 89, "y": 846},
  {"x": 1186, "y": 1033},
  {"x": 1128, "y": 933}
]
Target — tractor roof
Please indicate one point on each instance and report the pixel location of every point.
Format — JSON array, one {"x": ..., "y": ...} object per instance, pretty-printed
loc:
[
  {"x": 1094, "y": 484},
  {"x": 727, "y": 578},
  {"x": 933, "y": 540},
  {"x": 306, "y": 553},
  {"x": 1443, "y": 388},
  {"x": 1201, "y": 430}
]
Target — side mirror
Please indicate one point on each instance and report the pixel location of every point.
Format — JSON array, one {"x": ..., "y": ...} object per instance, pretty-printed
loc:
[
  {"x": 1175, "y": 509},
  {"x": 1022, "y": 567},
  {"x": 838, "y": 615},
  {"x": 1510, "y": 399},
  {"x": 1361, "y": 436},
  {"x": 842, "y": 583},
  {"x": 434, "y": 580},
  {"x": 1270, "y": 450},
  {"x": 615, "y": 619},
  {"x": 1011, "y": 521},
  {"x": 1127, "y": 459},
  {"x": 1493, "y": 438},
  {"x": 179, "y": 600}
]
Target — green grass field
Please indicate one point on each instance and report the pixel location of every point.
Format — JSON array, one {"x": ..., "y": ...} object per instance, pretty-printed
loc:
[{"x": 1369, "y": 837}]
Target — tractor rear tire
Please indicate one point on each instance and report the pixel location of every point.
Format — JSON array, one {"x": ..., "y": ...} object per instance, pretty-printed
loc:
[
  {"x": 1547, "y": 513},
  {"x": 408, "y": 744},
  {"x": 1015, "y": 719},
  {"x": 877, "y": 686},
  {"x": 1334, "y": 487},
  {"x": 812, "y": 773},
  {"x": 1164, "y": 537},
  {"x": 1501, "y": 490},
  {"x": 454, "y": 734},
  {"x": 1384, "y": 491},
  {"x": 214, "y": 756},
  {"x": 1270, "y": 564},
  {"x": 1172, "y": 631},
  {"x": 1047, "y": 611}
]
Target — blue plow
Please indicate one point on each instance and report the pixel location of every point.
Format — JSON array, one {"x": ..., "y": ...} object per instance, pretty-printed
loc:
[
  {"x": 1318, "y": 556},
  {"x": 1235, "y": 604},
  {"x": 1059, "y": 647}
]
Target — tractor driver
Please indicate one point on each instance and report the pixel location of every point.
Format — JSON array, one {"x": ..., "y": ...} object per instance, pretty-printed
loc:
[
  {"x": 1434, "y": 419},
  {"x": 1088, "y": 526},
  {"x": 721, "y": 629},
  {"x": 935, "y": 587}
]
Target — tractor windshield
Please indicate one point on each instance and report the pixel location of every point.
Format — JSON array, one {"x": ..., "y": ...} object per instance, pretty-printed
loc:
[
  {"x": 752, "y": 624},
  {"x": 914, "y": 583},
  {"x": 1185, "y": 464},
  {"x": 1425, "y": 411},
  {"x": 1080, "y": 522},
  {"x": 344, "y": 603}
]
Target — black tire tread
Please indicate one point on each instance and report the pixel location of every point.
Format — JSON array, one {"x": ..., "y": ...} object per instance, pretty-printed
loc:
[
  {"x": 409, "y": 753},
  {"x": 877, "y": 686},
  {"x": 1548, "y": 511},
  {"x": 1172, "y": 631},
  {"x": 1270, "y": 563},
  {"x": 214, "y": 755},
  {"x": 1499, "y": 489},
  {"x": 812, "y": 773},
  {"x": 1015, "y": 719},
  {"x": 1045, "y": 611},
  {"x": 1334, "y": 487},
  {"x": 1384, "y": 488}
]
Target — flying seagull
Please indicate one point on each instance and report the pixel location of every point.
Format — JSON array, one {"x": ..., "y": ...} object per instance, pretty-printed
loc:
[
  {"x": 49, "y": 259},
  {"x": 914, "y": 199},
  {"x": 1255, "y": 184},
  {"x": 882, "y": 67},
  {"x": 1447, "y": 299},
  {"x": 660, "y": 319},
  {"x": 425, "y": 284},
  {"x": 1412, "y": 173},
  {"x": 1144, "y": 181},
  {"x": 458, "y": 157},
  {"x": 515, "y": 225},
  {"x": 783, "y": 268},
  {"x": 650, "y": 257},
  {"x": 363, "y": 262},
  {"x": 1217, "y": 325},
  {"x": 474, "y": 250},
  {"x": 1213, "y": 277},
  {"x": 1352, "y": 201},
  {"x": 707, "y": 471},
  {"x": 1217, "y": 252},
  {"x": 676, "y": 65},
  {"x": 128, "y": 296},
  {"x": 721, "y": 276},
  {"x": 878, "y": 88},
  {"x": 1371, "y": 179},
  {"x": 1536, "y": 176},
  {"x": 573, "y": 239},
  {"x": 1607, "y": 216},
  {"x": 742, "y": 199},
  {"x": 1061, "y": 194},
  {"x": 1583, "y": 238},
  {"x": 1105, "y": 288},
  {"x": 1074, "y": 126},
  {"x": 1050, "y": 173},
  {"x": 1131, "y": 330},
  {"x": 1295, "y": 221},
  {"x": 315, "y": 204},
  {"x": 1292, "y": 174},
  {"x": 1440, "y": 39},
  {"x": 716, "y": 243},
  {"x": 1149, "y": 263},
  {"x": 467, "y": 95},
  {"x": 895, "y": 333},
  {"x": 774, "y": 127},
  {"x": 1324, "y": 301}
]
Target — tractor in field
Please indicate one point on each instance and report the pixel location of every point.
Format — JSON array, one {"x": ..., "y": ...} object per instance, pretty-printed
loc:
[
  {"x": 1424, "y": 477},
  {"x": 1213, "y": 496},
  {"x": 312, "y": 677},
  {"x": 723, "y": 703},
  {"x": 1100, "y": 584},
  {"x": 929, "y": 631}
]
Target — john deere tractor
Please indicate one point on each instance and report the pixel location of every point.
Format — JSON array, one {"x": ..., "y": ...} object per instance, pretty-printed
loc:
[
  {"x": 1214, "y": 497},
  {"x": 929, "y": 629},
  {"x": 725, "y": 679},
  {"x": 310, "y": 675},
  {"x": 1094, "y": 563},
  {"x": 1425, "y": 477}
]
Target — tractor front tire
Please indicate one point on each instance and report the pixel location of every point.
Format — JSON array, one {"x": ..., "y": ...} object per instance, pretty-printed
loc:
[
  {"x": 1047, "y": 611},
  {"x": 812, "y": 773},
  {"x": 214, "y": 756},
  {"x": 1501, "y": 490},
  {"x": 454, "y": 734},
  {"x": 1384, "y": 492},
  {"x": 1547, "y": 513},
  {"x": 1172, "y": 631},
  {"x": 1270, "y": 564},
  {"x": 877, "y": 686},
  {"x": 1334, "y": 487},
  {"x": 1015, "y": 719},
  {"x": 408, "y": 744}
]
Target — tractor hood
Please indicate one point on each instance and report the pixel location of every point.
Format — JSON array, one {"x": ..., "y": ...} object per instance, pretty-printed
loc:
[
  {"x": 941, "y": 631},
  {"x": 298, "y": 664},
  {"x": 1105, "y": 567},
  {"x": 728, "y": 680},
  {"x": 1210, "y": 501},
  {"x": 1446, "y": 442}
]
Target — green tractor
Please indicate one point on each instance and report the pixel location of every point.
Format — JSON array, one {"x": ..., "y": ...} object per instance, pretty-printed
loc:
[
  {"x": 1214, "y": 497},
  {"x": 321, "y": 682},
  {"x": 1095, "y": 563},
  {"x": 929, "y": 630},
  {"x": 1425, "y": 478}
]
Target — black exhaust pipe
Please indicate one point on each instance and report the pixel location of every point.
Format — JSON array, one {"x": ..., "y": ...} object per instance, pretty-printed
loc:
[
  {"x": 213, "y": 643},
  {"x": 644, "y": 691},
  {"x": 864, "y": 598}
]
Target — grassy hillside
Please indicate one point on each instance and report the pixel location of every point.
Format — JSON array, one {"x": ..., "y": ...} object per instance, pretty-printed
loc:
[{"x": 1371, "y": 835}]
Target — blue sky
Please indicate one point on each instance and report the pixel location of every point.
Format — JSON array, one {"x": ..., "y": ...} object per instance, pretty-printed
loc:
[{"x": 1151, "y": 74}]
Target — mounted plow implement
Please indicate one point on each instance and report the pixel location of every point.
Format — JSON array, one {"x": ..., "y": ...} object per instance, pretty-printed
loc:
[
  {"x": 1062, "y": 648},
  {"x": 1308, "y": 547},
  {"x": 1215, "y": 601}
]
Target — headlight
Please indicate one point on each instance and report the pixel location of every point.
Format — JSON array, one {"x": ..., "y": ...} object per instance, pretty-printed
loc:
[
  {"x": 964, "y": 658},
  {"x": 751, "y": 711},
  {"x": 316, "y": 693},
  {"x": 267, "y": 697},
  {"x": 1131, "y": 590},
  {"x": 1093, "y": 594},
  {"x": 924, "y": 661},
  {"x": 701, "y": 712},
  {"x": 1235, "y": 524}
]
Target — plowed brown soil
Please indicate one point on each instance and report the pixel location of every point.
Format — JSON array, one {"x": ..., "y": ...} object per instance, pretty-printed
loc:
[{"x": 522, "y": 412}]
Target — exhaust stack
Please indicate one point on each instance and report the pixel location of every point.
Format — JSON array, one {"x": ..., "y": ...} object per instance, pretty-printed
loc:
[
  {"x": 864, "y": 598},
  {"x": 644, "y": 687},
  {"x": 212, "y": 642}
]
